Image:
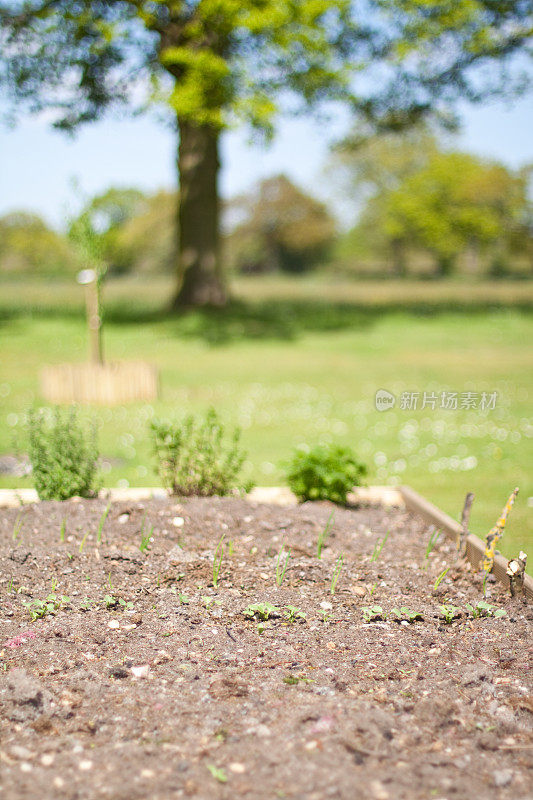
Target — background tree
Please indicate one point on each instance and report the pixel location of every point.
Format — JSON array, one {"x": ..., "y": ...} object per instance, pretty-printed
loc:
[
  {"x": 281, "y": 229},
  {"x": 28, "y": 245},
  {"x": 218, "y": 62}
]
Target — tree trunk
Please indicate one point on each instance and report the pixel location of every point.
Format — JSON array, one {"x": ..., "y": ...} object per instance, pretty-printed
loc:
[
  {"x": 398, "y": 257},
  {"x": 200, "y": 280}
]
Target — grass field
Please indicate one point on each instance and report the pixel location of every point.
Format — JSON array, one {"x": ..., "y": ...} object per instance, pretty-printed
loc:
[{"x": 295, "y": 361}]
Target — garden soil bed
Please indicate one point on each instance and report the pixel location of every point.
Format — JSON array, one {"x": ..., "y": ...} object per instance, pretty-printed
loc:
[{"x": 180, "y": 695}]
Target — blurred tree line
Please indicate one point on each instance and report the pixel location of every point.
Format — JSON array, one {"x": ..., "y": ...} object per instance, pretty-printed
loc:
[{"x": 417, "y": 207}]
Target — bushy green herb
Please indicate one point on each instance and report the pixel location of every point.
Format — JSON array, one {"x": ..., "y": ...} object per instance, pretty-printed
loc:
[
  {"x": 326, "y": 472},
  {"x": 193, "y": 458},
  {"x": 63, "y": 456}
]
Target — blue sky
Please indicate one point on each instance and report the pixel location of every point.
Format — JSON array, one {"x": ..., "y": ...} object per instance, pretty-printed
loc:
[{"x": 38, "y": 165}]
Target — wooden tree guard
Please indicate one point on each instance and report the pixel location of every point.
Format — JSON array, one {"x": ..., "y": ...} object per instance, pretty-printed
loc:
[{"x": 100, "y": 384}]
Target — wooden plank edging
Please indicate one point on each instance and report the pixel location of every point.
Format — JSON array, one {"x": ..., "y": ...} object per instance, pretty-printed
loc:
[{"x": 475, "y": 548}]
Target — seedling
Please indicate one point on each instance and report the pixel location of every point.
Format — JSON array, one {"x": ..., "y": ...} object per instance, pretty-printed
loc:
[
  {"x": 146, "y": 538},
  {"x": 82, "y": 545},
  {"x": 484, "y": 609},
  {"x": 126, "y": 606},
  {"x": 262, "y": 611},
  {"x": 373, "y": 613},
  {"x": 324, "y": 535},
  {"x": 336, "y": 573},
  {"x": 63, "y": 530},
  {"x": 217, "y": 560},
  {"x": 230, "y": 548},
  {"x": 17, "y": 527},
  {"x": 281, "y": 568},
  {"x": 41, "y": 608},
  {"x": 292, "y": 614},
  {"x": 110, "y": 601},
  {"x": 449, "y": 612},
  {"x": 380, "y": 544},
  {"x": 440, "y": 579},
  {"x": 218, "y": 774},
  {"x": 433, "y": 539},
  {"x": 85, "y": 604},
  {"x": 372, "y": 590},
  {"x": 405, "y": 613},
  {"x": 101, "y": 524},
  {"x": 294, "y": 680},
  {"x": 183, "y": 598},
  {"x": 326, "y": 616}
]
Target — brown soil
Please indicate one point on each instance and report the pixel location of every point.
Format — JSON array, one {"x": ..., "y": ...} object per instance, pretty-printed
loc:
[{"x": 169, "y": 698}]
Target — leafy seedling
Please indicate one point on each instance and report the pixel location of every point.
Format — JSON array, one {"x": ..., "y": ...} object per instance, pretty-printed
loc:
[
  {"x": 380, "y": 544},
  {"x": 373, "y": 613},
  {"x": 326, "y": 616},
  {"x": 41, "y": 608},
  {"x": 292, "y": 614},
  {"x": 262, "y": 611},
  {"x": 184, "y": 599},
  {"x": 217, "y": 560},
  {"x": 484, "y": 609},
  {"x": 281, "y": 567},
  {"x": 85, "y": 604},
  {"x": 405, "y": 613},
  {"x": 218, "y": 774},
  {"x": 324, "y": 535},
  {"x": 110, "y": 601},
  {"x": 449, "y": 612},
  {"x": 336, "y": 573}
]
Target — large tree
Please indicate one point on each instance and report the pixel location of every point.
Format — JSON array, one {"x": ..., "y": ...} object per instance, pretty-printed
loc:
[{"x": 215, "y": 63}]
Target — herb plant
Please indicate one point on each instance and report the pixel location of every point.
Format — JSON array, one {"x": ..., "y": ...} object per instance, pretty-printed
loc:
[{"x": 325, "y": 472}]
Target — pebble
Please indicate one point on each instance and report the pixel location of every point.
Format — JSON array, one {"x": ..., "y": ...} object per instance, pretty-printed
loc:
[
  {"x": 25, "y": 766},
  {"x": 17, "y": 751},
  {"x": 141, "y": 671},
  {"x": 237, "y": 768},
  {"x": 85, "y": 765},
  {"x": 114, "y": 623},
  {"x": 502, "y": 777},
  {"x": 378, "y": 790},
  {"x": 178, "y": 522},
  {"x": 147, "y": 773},
  {"x": 59, "y": 782},
  {"x": 123, "y": 518},
  {"x": 325, "y": 605},
  {"x": 47, "y": 760}
]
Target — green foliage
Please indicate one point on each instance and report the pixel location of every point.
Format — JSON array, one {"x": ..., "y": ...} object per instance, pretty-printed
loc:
[
  {"x": 262, "y": 611},
  {"x": 484, "y": 609},
  {"x": 449, "y": 612},
  {"x": 281, "y": 566},
  {"x": 293, "y": 614},
  {"x": 28, "y": 245},
  {"x": 42, "y": 608},
  {"x": 193, "y": 458},
  {"x": 63, "y": 456},
  {"x": 282, "y": 229},
  {"x": 325, "y": 472},
  {"x": 373, "y": 613},
  {"x": 405, "y": 613}
]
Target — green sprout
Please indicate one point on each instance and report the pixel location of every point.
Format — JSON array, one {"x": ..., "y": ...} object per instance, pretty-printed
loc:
[
  {"x": 380, "y": 544},
  {"x": 281, "y": 568},
  {"x": 63, "y": 530},
  {"x": 85, "y": 604},
  {"x": 373, "y": 613},
  {"x": 218, "y": 774},
  {"x": 17, "y": 527},
  {"x": 449, "y": 612},
  {"x": 217, "y": 560},
  {"x": 262, "y": 611},
  {"x": 405, "y": 613},
  {"x": 324, "y": 535},
  {"x": 336, "y": 573},
  {"x": 484, "y": 609},
  {"x": 51, "y": 605},
  {"x": 292, "y": 614},
  {"x": 433, "y": 539},
  {"x": 440, "y": 579},
  {"x": 101, "y": 523},
  {"x": 146, "y": 538},
  {"x": 82, "y": 545}
]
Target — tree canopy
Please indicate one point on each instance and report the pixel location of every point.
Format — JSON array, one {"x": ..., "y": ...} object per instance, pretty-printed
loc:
[{"x": 215, "y": 63}]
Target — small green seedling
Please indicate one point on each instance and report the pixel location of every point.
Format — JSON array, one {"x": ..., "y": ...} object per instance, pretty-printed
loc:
[
  {"x": 101, "y": 524},
  {"x": 126, "y": 606},
  {"x": 324, "y": 535},
  {"x": 217, "y": 560},
  {"x": 231, "y": 548},
  {"x": 380, "y": 544},
  {"x": 41, "y": 608},
  {"x": 449, "y": 612},
  {"x": 281, "y": 567},
  {"x": 110, "y": 601},
  {"x": 82, "y": 545},
  {"x": 184, "y": 599},
  {"x": 325, "y": 614},
  {"x": 372, "y": 590},
  {"x": 336, "y": 573},
  {"x": 433, "y": 539},
  {"x": 146, "y": 538},
  {"x": 292, "y": 614},
  {"x": 440, "y": 579},
  {"x": 294, "y": 680},
  {"x": 85, "y": 604},
  {"x": 218, "y": 774},
  {"x": 17, "y": 527},
  {"x": 262, "y": 611},
  {"x": 63, "y": 530},
  {"x": 405, "y": 613},
  {"x": 373, "y": 613},
  {"x": 484, "y": 609}
]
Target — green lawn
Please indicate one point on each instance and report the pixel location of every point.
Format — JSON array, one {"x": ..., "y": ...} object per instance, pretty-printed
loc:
[{"x": 300, "y": 361}]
